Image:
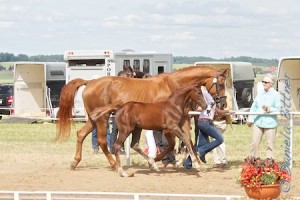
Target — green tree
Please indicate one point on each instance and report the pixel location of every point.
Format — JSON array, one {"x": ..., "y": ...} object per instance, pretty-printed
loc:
[
  {"x": 2, "y": 68},
  {"x": 22, "y": 57}
]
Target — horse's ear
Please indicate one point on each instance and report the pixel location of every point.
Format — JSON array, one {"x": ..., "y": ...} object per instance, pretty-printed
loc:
[{"x": 225, "y": 72}]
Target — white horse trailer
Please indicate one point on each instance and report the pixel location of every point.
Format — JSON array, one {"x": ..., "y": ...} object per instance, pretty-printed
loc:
[
  {"x": 37, "y": 88},
  {"x": 147, "y": 62},
  {"x": 239, "y": 84},
  {"x": 92, "y": 64},
  {"x": 87, "y": 64},
  {"x": 288, "y": 80}
]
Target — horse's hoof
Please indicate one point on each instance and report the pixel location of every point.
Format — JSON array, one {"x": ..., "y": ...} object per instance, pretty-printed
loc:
[
  {"x": 198, "y": 174},
  {"x": 114, "y": 167},
  {"x": 72, "y": 166},
  {"x": 123, "y": 173},
  {"x": 202, "y": 170},
  {"x": 156, "y": 168},
  {"x": 131, "y": 175}
]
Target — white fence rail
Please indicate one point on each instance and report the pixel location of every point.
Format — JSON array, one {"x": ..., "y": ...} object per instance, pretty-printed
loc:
[{"x": 56, "y": 195}]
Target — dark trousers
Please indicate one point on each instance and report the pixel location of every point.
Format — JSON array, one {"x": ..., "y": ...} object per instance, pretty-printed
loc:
[{"x": 162, "y": 144}]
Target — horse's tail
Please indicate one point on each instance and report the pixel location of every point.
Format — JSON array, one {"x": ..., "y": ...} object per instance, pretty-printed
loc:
[
  {"x": 66, "y": 104},
  {"x": 100, "y": 111}
]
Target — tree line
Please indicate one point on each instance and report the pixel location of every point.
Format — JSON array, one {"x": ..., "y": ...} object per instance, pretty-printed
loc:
[
  {"x": 9, "y": 57},
  {"x": 254, "y": 61}
]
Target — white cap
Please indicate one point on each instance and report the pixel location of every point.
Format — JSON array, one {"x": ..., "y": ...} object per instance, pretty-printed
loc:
[{"x": 268, "y": 78}]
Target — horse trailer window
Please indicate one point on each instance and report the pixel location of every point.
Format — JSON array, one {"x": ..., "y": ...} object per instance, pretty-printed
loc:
[
  {"x": 160, "y": 70},
  {"x": 92, "y": 62},
  {"x": 57, "y": 73},
  {"x": 146, "y": 65},
  {"x": 136, "y": 65},
  {"x": 126, "y": 64}
]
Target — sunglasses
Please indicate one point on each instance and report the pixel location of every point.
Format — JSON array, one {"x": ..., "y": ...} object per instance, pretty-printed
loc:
[{"x": 265, "y": 82}]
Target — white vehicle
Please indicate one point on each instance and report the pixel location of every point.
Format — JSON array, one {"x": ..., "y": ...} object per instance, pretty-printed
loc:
[
  {"x": 288, "y": 72},
  {"x": 240, "y": 84},
  {"x": 87, "y": 65},
  {"x": 147, "y": 62},
  {"x": 37, "y": 87},
  {"x": 92, "y": 64}
]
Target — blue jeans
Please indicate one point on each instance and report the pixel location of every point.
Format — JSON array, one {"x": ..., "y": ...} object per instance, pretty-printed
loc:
[
  {"x": 205, "y": 130},
  {"x": 95, "y": 140},
  {"x": 204, "y": 145}
]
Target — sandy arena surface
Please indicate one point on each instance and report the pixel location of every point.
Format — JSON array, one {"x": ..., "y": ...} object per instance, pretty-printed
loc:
[{"x": 45, "y": 172}]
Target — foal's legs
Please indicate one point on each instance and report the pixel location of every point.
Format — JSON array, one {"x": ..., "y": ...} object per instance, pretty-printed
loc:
[
  {"x": 81, "y": 135},
  {"x": 186, "y": 138},
  {"x": 136, "y": 135}
]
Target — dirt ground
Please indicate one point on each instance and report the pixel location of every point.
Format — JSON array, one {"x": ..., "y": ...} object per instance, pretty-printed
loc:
[{"x": 45, "y": 172}]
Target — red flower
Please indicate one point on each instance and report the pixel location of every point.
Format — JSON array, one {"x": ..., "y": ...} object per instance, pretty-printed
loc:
[{"x": 255, "y": 172}]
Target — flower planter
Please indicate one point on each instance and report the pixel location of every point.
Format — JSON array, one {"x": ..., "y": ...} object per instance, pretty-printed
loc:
[{"x": 263, "y": 192}]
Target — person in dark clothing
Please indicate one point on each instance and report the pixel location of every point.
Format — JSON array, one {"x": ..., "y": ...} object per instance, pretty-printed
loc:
[{"x": 162, "y": 144}]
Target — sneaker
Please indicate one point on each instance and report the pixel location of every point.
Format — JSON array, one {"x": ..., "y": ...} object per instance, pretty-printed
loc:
[
  {"x": 188, "y": 163},
  {"x": 168, "y": 165},
  {"x": 202, "y": 158}
]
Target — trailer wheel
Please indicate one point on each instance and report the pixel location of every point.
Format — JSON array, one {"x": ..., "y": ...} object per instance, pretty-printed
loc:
[{"x": 247, "y": 97}]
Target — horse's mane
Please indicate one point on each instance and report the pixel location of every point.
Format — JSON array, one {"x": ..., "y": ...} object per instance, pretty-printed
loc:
[{"x": 191, "y": 67}]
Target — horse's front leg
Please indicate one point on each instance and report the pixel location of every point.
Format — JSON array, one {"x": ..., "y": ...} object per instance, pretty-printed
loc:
[
  {"x": 187, "y": 135},
  {"x": 136, "y": 135},
  {"x": 101, "y": 133},
  {"x": 184, "y": 151},
  {"x": 189, "y": 145},
  {"x": 81, "y": 135},
  {"x": 184, "y": 155}
]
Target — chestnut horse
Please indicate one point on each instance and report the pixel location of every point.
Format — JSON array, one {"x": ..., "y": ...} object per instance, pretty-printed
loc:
[
  {"x": 168, "y": 116},
  {"x": 111, "y": 89}
]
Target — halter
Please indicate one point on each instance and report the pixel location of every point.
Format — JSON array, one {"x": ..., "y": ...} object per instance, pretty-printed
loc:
[{"x": 218, "y": 99}]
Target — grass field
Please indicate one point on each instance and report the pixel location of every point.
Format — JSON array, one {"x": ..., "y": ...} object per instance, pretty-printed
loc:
[
  {"x": 34, "y": 137},
  {"x": 6, "y": 77},
  {"x": 7, "y": 64}
]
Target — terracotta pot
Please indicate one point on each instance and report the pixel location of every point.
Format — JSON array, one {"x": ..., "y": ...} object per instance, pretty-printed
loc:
[{"x": 263, "y": 192}]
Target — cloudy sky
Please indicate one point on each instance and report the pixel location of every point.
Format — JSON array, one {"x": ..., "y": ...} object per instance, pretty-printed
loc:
[{"x": 213, "y": 28}]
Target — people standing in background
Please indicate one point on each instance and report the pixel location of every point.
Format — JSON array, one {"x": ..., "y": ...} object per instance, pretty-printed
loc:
[{"x": 266, "y": 101}]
